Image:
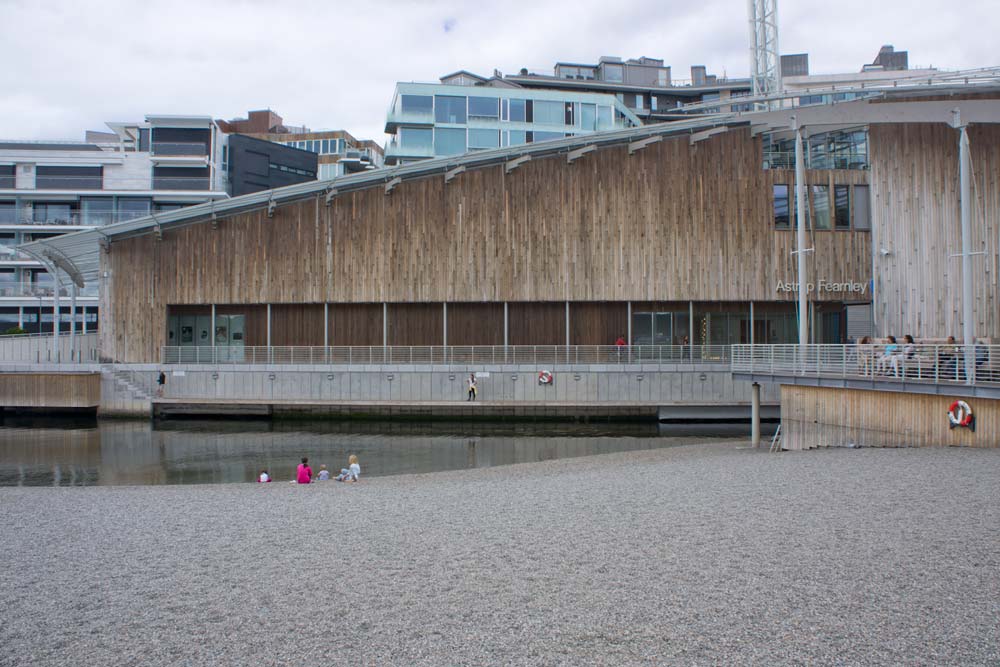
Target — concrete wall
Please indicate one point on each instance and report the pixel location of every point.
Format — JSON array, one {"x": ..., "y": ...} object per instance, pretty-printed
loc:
[
  {"x": 832, "y": 417},
  {"x": 43, "y": 349}
]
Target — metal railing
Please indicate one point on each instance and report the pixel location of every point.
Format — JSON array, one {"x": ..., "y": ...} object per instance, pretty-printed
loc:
[
  {"x": 179, "y": 148},
  {"x": 961, "y": 364},
  {"x": 538, "y": 355},
  {"x": 44, "y": 349}
]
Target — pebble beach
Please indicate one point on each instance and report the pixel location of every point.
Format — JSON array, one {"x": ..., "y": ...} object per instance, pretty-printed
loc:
[{"x": 710, "y": 554}]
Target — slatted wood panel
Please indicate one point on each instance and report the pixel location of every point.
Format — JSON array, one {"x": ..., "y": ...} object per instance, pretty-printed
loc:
[
  {"x": 536, "y": 323},
  {"x": 597, "y": 323},
  {"x": 416, "y": 324},
  {"x": 672, "y": 222},
  {"x": 50, "y": 390},
  {"x": 916, "y": 217},
  {"x": 475, "y": 324},
  {"x": 822, "y": 417},
  {"x": 297, "y": 324},
  {"x": 356, "y": 324}
]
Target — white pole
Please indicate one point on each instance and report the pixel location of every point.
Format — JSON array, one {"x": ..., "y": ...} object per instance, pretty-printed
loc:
[
  {"x": 326, "y": 325},
  {"x": 755, "y": 415},
  {"x": 444, "y": 312},
  {"x": 628, "y": 322},
  {"x": 567, "y": 325},
  {"x": 269, "y": 327},
  {"x": 72, "y": 318},
  {"x": 506, "y": 323},
  {"x": 212, "y": 328},
  {"x": 968, "y": 323},
  {"x": 385, "y": 324},
  {"x": 800, "y": 221}
]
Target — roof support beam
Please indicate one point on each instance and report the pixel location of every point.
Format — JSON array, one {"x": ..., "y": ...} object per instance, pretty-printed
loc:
[
  {"x": 511, "y": 165},
  {"x": 392, "y": 184},
  {"x": 701, "y": 136},
  {"x": 450, "y": 175},
  {"x": 635, "y": 146},
  {"x": 271, "y": 205},
  {"x": 579, "y": 153},
  {"x": 330, "y": 194}
]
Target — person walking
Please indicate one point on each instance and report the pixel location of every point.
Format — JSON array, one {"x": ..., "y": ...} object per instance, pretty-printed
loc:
[
  {"x": 161, "y": 382},
  {"x": 472, "y": 387}
]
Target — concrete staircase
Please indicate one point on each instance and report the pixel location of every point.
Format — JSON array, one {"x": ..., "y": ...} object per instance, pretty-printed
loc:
[{"x": 128, "y": 384}]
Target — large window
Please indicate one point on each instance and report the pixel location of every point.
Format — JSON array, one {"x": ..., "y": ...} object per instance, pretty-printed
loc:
[
  {"x": 517, "y": 111},
  {"x": 613, "y": 73},
  {"x": 547, "y": 136},
  {"x": 588, "y": 117},
  {"x": 661, "y": 328},
  {"x": 97, "y": 210},
  {"x": 842, "y": 206},
  {"x": 417, "y": 104},
  {"x": 484, "y": 107},
  {"x": 862, "y": 212},
  {"x": 69, "y": 178},
  {"x": 517, "y": 137},
  {"x": 449, "y": 141},
  {"x": 51, "y": 213},
  {"x": 821, "y": 206},
  {"x": 130, "y": 209},
  {"x": 8, "y": 177},
  {"x": 480, "y": 139},
  {"x": 604, "y": 118},
  {"x": 782, "y": 218},
  {"x": 8, "y": 213},
  {"x": 549, "y": 113},
  {"x": 416, "y": 137},
  {"x": 448, "y": 109},
  {"x": 831, "y": 150}
]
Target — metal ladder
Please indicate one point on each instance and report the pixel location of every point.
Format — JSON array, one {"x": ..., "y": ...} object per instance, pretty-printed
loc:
[{"x": 776, "y": 441}]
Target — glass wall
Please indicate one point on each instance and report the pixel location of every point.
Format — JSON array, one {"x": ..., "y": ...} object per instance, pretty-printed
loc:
[
  {"x": 484, "y": 107},
  {"x": 417, "y": 104},
  {"x": 661, "y": 327},
  {"x": 549, "y": 113},
  {"x": 588, "y": 117},
  {"x": 448, "y": 109},
  {"x": 821, "y": 206},
  {"x": 449, "y": 141},
  {"x": 517, "y": 111},
  {"x": 416, "y": 137},
  {"x": 481, "y": 139},
  {"x": 830, "y": 150}
]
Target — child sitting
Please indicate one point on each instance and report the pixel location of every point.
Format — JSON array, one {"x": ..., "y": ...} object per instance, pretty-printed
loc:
[
  {"x": 352, "y": 472},
  {"x": 264, "y": 477},
  {"x": 324, "y": 474}
]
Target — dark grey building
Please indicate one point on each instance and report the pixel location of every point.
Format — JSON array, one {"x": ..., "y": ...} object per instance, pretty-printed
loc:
[{"x": 255, "y": 165}]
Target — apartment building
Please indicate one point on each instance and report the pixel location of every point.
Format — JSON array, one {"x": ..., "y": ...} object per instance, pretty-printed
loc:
[
  {"x": 48, "y": 188},
  {"x": 467, "y": 113},
  {"x": 337, "y": 151}
]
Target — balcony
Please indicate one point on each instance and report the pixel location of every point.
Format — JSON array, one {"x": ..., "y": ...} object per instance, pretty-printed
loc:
[
  {"x": 395, "y": 118},
  {"x": 109, "y": 183},
  {"x": 68, "y": 182},
  {"x": 179, "y": 149},
  {"x": 397, "y": 150}
]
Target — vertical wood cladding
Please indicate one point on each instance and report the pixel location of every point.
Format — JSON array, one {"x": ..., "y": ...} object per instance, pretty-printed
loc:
[
  {"x": 475, "y": 324},
  {"x": 297, "y": 324},
  {"x": 356, "y": 324},
  {"x": 597, "y": 323},
  {"x": 537, "y": 323},
  {"x": 416, "y": 324},
  {"x": 916, "y": 217},
  {"x": 674, "y": 221}
]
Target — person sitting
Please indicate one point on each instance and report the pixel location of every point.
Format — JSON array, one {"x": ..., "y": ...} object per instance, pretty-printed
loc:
[
  {"x": 324, "y": 474},
  {"x": 352, "y": 472},
  {"x": 908, "y": 354},
  {"x": 889, "y": 357},
  {"x": 264, "y": 477},
  {"x": 866, "y": 356},
  {"x": 948, "y": 360}
]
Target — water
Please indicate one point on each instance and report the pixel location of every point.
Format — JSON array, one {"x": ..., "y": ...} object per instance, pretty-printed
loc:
[{"x": 47, "y": 452}]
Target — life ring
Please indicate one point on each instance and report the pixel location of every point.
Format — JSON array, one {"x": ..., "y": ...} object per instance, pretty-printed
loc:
[
  {"x": 545, "y": 377},
  {"x": 960, "y": 414}
]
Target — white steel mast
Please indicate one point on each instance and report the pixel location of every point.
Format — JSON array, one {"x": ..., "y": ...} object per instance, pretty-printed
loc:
[{"x": 765, "y": 60}]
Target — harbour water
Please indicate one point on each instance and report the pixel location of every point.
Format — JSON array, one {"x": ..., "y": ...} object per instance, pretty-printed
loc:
[{"x": 42, "y": 451}]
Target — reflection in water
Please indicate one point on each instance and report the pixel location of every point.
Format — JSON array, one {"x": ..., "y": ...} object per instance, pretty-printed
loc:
[{"x": 60, "y": 453}]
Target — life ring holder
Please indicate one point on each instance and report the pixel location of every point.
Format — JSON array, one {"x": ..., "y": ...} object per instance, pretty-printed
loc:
[
  {"x": 544, "y": 377},
  {"x": 960, "y": 414}
]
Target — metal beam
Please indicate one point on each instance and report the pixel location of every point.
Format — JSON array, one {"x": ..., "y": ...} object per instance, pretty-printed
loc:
[
  {"x": 965, "y": 199},
  {"x": 635, "y": 146},
  {"x": 579, "y": 153},
  {"x": 800, "y": 236},
  {"x": 701, "y": 136},
  {"x": 515, "y": 163},
  {"x": 450, "y": 175}
]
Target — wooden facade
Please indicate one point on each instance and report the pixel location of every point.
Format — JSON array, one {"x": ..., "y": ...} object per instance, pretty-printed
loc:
[
  {"x": 834, "y": 417},
  {"x": 50, "y": 390},
  {"x": 676, "y": 221},
  {"x": 916, "y": 221}
]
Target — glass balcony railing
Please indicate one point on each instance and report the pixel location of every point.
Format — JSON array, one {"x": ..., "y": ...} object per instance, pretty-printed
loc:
[
  {"x": 8, "y": 182},
  {"x": 179, "y": 148},
  {"x": 421, "y": 150},
  {"x": 68, "y": 182},
  {"x": 73, "y": 183},
  {"x": 396, "y": 117}
]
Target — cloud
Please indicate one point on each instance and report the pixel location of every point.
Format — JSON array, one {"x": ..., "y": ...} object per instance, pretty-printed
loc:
[{"x": 333, "y": 65}]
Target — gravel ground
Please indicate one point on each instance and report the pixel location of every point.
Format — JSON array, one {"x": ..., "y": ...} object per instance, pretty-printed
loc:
[{"x": 696, "y": 555}]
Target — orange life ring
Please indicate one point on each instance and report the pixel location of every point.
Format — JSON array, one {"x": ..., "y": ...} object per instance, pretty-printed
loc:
[
  {"x": 960, "y": 414},
  {"x": 544, "y": 377}
]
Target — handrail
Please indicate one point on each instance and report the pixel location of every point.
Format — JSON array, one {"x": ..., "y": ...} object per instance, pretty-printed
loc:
[
  {"x": 451, "y": 355},
  {"x": 947, "y": 363}
]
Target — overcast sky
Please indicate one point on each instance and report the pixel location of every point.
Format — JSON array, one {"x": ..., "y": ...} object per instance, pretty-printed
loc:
[{"x": 69, "y": 65}]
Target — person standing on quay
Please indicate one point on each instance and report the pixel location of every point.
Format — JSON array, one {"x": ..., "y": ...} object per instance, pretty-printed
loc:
[{"x": 472, "y": 387}]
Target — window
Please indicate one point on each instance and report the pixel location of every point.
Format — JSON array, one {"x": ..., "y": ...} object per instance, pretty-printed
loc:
[
  {"x": 326, "y": 146},
  {"x": 479, "y": 139},
  {"x": 546, "y": 136},
  {"x": 549, "y": 113},
  {"x": 862, "y": 212},
  {"x": 638, "y": 102},
  {"x": 517, "y": 114},
  {"x": 416, "y": 137},
  {"x": 69, "y": 178},
  {"x": 448, "y": 109},
  {"x": 484, "y": 107},
  {"x": 55, "y": 214},
  {"x": 613, "y": 72},
  {"x": 782, "y": 219},
  {"x": 8, "y": 212},
  {"x": 517, "y": 137},
  {"x": 449, "y": 141},
  {"x": 97, "y": 210},
  {"x": 8, "y": 177},
  {"x": 652, "y": 102},
  {"x": 604, "y": 118},
  {"x": 588, "y": 117},
  {"x": 417, "y": 104},
  {"x": 132, "y": 208},
  {"x": 842, "y": 206},
  {"x": 821, "y": 206}
]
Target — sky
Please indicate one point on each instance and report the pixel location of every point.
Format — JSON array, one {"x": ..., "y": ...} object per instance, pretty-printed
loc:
[{"x": 70, "y": 65}]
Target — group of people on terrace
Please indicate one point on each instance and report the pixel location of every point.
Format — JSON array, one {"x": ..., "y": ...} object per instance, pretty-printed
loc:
[{"x": 889, "y": 357}]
